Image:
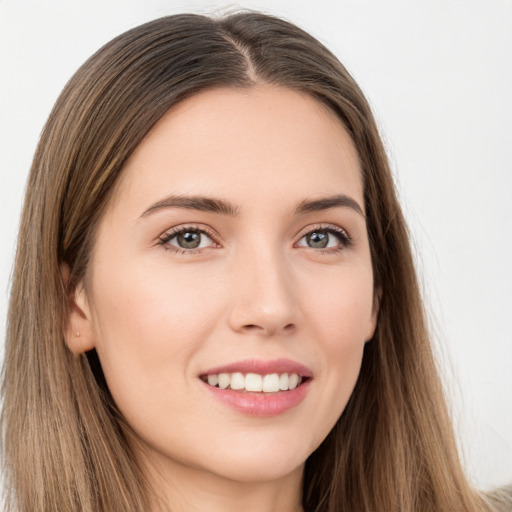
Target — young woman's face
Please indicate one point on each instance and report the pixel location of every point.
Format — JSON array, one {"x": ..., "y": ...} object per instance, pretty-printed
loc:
[{"x": 233, "y": 253}]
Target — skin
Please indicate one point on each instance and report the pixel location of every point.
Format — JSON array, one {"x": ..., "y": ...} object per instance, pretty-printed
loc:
[{"x": 160, "y": 315}]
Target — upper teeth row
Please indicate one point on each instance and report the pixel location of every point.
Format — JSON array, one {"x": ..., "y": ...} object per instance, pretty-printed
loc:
[{"x": 270, "y": 383}]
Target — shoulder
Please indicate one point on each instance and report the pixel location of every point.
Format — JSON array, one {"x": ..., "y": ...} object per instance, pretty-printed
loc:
[{"x": 501, "y": 498}]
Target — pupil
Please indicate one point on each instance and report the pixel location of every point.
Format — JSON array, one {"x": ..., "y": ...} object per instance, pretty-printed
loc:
[
  {"x": 189, "y": 239},
  {"x": 318, "y": 239}
]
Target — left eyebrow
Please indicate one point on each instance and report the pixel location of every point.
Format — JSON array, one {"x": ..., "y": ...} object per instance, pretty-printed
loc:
[{"x": 325, "y": 203}]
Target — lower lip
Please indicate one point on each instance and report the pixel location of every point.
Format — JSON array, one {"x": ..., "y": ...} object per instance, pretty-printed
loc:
[{"x": 260, "y": 404}]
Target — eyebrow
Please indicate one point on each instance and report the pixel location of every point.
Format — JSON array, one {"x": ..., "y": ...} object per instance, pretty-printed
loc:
[
  {"x": 201, "y": 203},
  {"x": 220, "y": 206},
  {"x": 325, "y": 203}
]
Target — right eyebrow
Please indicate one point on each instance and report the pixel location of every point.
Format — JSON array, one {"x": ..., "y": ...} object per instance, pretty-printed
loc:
[{"x": 201, "y": 203}]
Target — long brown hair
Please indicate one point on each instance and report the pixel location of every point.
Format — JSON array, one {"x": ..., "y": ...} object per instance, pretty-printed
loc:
[{"x": 64, "y": 442}]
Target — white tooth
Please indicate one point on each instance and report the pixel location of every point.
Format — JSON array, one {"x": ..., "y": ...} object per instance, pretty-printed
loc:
[
  {"x": 253, "y": 382},
  {"x": 283, "y": 382},
  {"x": 237, "y": 381},
  {"x": 224, "y": 380},
  {"x": 271, "y": 383},
  {"x": 213, "y": 380},
  {"x": 293, "y": 381}
]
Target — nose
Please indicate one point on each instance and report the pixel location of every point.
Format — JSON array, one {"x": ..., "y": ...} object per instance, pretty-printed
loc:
[{"x": 265, "y": 301}]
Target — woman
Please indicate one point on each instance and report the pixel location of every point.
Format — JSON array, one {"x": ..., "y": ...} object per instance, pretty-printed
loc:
[{"x": 214, "y": 302}]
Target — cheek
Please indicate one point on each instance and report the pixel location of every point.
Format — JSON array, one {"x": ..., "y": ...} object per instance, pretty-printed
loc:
[
  {"x": 135, "y": 301},
  {"x": 341, "y": 308},
  {"x": 148, "y": 326},
  {"x": 341, "y": 316}
]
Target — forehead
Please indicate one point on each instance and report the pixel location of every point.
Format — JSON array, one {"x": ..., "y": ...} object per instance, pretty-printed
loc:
[{"x": 262, "y": 139}]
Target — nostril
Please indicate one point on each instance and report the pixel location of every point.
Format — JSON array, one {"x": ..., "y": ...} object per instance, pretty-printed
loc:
[
  {"x": 252, "y": 327},
  {"x": 257, "y": 328}
]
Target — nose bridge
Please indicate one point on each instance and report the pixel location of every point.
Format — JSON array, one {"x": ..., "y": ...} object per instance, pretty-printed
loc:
[{"x": 265, "y": 300}]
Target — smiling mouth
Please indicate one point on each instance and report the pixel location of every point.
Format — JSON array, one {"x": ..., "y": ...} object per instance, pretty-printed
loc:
[{"x": 254, "y": 382}]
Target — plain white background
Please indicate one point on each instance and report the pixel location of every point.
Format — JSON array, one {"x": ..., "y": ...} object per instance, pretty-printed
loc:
[{"x": 439, "y": 77}]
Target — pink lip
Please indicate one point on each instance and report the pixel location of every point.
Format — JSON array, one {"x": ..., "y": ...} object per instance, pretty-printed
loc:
[
  {"x": 262, "y": 367},
  {"x": 261, "y": 404}
]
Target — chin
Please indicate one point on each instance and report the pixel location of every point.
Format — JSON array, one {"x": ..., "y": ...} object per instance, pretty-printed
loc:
[
  {"x": 259, "y": 462},
  {"x": 257, "y": 470}
]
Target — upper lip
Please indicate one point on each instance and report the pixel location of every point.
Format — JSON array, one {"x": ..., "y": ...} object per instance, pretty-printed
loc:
[{"x": 262, "y": 367}]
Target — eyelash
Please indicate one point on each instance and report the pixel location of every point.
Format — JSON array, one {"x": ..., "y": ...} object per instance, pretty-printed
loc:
[
  {"x": 345, "y": 241},
  {"x": 169, "y": 235},
  {"x": 343, "y": 237}
]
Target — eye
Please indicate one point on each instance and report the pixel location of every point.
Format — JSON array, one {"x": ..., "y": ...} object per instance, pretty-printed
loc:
[
  {"x": 333, "y": 238},
  {"x": 187, "y": 239}
]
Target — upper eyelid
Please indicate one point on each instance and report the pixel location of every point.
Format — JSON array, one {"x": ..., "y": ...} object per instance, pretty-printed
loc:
[
  {"x": 176, "y": 230},
  {"x": 324, "y": 227}
]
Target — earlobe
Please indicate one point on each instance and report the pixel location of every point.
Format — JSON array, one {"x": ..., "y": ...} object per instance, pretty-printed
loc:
[{"x": 78, "y": 331}]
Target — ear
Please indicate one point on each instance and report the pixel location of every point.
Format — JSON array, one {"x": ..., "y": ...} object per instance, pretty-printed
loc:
[
  {"x": 375, "y": 314},
  {"x": 78, "y": 331}
]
